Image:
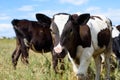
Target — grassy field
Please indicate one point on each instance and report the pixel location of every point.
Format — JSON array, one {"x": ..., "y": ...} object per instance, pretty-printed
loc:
[{"x": 39, "y": 68}]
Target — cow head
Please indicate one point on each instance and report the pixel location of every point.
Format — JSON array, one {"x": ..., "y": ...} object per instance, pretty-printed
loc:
[
  {"x": 64, "y": 26},
  {"x": 41, "y": 36}
]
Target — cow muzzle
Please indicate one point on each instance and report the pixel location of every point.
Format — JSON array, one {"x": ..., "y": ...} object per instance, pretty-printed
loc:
[{"x": 58, "y": 49}]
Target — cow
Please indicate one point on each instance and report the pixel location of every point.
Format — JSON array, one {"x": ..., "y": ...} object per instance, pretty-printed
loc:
[
  {"x": 83, "y": 37},
  {"x": 34, "y": 35},
  {"x": 115, "y": 56},
  {"x": 116, "y": 41}
]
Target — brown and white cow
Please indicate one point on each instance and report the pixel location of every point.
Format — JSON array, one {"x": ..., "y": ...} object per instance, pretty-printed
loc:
[
  {"x": 84, "y": 37},
  {"x": 33, "y": 35}
]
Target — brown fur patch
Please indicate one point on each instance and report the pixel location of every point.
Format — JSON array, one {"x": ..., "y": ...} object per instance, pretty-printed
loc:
[
  {"x": 104, "y": 37},
  {"x": 85, "y": 36},
  {"x": 93, "y": 17}
]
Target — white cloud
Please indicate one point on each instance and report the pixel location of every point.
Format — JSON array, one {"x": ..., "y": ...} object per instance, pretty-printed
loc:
[
  {"x": 93, "y": 9},
  {"x": 26, "y": 8},
  {"x": 4, "y": 26},
  {"x": 74, "y": 2},
  {"x": 50, "y": 13},
  {"x": 6, "y": 30},
  {"x": 4, "y": 17},
  {"x": 113, "y": 14}
]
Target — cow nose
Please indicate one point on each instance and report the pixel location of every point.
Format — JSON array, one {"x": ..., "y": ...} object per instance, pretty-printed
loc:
[{"x": 58, "y": 48}]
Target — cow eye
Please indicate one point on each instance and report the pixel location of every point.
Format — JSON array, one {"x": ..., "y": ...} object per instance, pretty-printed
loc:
[
  {"x": 41, "y": 31},
  {"x": 52, "y": 31}
]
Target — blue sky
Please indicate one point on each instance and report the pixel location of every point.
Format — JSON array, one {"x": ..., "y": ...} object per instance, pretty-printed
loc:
[{"x": 26, "y": 9}]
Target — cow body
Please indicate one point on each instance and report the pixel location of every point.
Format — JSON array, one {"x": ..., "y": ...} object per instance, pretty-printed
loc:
[
  {"x": 33, "y": 35},
  {"x": 83, "y": 37},
  {"x": 116, "y": 41}
]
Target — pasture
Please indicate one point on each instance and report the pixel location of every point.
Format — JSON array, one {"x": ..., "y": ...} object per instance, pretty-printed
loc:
[{"x": 39, "y": 67}]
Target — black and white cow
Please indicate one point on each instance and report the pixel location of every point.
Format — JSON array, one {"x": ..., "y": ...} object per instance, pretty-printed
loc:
[
  {"x": 84, "y": 37},
  {"x": 116, "y": 41}
]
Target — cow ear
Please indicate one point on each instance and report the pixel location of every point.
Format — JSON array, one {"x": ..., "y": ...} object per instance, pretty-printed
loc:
[
  {"x": 83, "y": 18},
  {"x": 43, "y": 18},
  {"x": 118, "y": 27}
]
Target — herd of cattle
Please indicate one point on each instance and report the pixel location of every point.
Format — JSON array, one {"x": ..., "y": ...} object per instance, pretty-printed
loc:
[{"x": 80, "y": 36}]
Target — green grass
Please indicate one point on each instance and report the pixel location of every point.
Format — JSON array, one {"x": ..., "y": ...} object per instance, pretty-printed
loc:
[{"x": 39, "y": 68}]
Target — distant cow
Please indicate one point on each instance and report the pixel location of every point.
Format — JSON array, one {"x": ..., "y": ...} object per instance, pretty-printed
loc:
[
  {"x": 84, "y": 37},
  {"x": 116, "y": 41},
  {"x": 33, "y": 35}
]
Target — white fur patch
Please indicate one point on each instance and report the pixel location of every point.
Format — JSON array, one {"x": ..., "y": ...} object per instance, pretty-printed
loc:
[
  {"x": 115, "y": 32},
  {"x": 96, "y": 25},
  {"x": 84, "y": 55},
  {"x": 26, "y": 42},
  {"x": 58, "y": 48},
  {"x": 85, "y": 59},
  {"x": 60, "y": 21}
]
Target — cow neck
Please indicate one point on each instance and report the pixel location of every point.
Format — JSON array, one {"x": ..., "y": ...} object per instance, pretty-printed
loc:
[{"x": 73, "y": 43}]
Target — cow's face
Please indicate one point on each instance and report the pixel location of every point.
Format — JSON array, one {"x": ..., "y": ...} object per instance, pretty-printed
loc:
[
  {"x": 40, "y": 37},
  {"x": 63, "y": 28},
  {"x": 57, "y": 26}
]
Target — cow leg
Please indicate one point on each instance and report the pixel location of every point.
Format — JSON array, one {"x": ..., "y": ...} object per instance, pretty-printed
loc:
[
  {"x": 54, "y": 61},
  {"x": 82, "y": 69},
  {"x": 85, "y": 60},
  {"x": 75, "y": 67},
  {"x": 58, "y": 58},
  {"x": 61, "y": 57},
  {"x": 24, "y": 56},
  {"x": 62, "y": 67},
  {"x": 97, "y": 60},
  {"x": 24, "y": 51},
  {"x": 107, "y": 65},
  {"x": 107, "y": 54},
  {"x": 15, "y": 56}
]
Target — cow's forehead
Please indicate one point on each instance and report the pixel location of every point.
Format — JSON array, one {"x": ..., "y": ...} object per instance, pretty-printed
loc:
[{"x": 60, "y": 21}]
